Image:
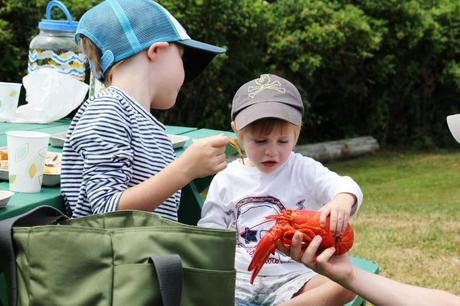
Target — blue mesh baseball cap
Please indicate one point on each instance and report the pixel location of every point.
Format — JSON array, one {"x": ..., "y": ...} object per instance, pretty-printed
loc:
[{"x": 122, "y": 28}]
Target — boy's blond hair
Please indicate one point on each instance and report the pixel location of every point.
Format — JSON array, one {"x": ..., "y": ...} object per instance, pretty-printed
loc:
[
  {"x": 265, "y": 126},
  {"x": 94, "y": 55}
]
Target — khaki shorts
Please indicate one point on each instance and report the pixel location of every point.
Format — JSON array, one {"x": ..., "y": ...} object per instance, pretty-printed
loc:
[{"x": 269, "y": 290}]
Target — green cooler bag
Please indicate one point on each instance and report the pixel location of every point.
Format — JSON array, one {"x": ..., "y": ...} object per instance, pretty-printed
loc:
[{"x": 125, "y": 258}]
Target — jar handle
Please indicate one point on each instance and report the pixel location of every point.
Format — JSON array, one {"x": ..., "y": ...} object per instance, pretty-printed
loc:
[{"x": 59, "y": 4}]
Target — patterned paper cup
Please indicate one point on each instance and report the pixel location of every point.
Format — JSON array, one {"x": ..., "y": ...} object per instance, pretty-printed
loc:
[
  {"x": 9, "y": 97},
  {"x": 26, "y": 160}
]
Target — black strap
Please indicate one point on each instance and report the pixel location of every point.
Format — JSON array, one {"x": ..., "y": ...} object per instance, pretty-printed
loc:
[
  {"x": 169, "y": 274},
  {"x": 39, "y": 216}
]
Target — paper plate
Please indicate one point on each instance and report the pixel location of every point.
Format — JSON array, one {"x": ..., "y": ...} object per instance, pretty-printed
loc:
[
  {"x": 57, "y": 140},
  {"x": 5, "y": 197},
  {"x": 178, "y": 141}
]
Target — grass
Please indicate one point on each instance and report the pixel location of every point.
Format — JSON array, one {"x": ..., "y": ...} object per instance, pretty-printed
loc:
[{"x": 409, "y": 222}]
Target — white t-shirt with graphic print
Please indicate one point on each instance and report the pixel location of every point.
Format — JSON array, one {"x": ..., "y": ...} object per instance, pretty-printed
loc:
[{"x": 240, "y": 197}]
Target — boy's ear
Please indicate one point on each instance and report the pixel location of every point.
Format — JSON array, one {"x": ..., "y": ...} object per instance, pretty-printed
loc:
[
  {"x": 154, "y": 49},
  {"x": 233, "y": 125},
  {"x": 238, "y": 134}
]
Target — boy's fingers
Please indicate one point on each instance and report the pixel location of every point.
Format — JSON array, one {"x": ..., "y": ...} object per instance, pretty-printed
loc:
[
  {"x": 333, "y": 222},
  {"x": 221, "y": 166},
  {"x": 325, "y": 255},
  {"x": 323, "y": 216},
  {"x": 218, "y": 140},
  {"x": 314, "y": 244},
  {"x": 339, "y": 226},
  {"x": 220, "y": 158},
  {"x": 281, "y": 247},
  {"x": 296, "y": 246},
  {"x": 344, "y": 223},
  {"x": 309, "y": 256}
]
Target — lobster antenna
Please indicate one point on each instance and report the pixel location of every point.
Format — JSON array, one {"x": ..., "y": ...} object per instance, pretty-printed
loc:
[{"x": 263, "y": 222}]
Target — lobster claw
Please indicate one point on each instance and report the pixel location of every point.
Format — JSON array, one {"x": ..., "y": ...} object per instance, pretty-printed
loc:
[{"x": 265, "y": 247}]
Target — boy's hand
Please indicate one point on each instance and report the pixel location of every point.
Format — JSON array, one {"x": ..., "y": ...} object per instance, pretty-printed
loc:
[
  {"x": 339, "y": 209},
  {"x": 205, "y": 156}
]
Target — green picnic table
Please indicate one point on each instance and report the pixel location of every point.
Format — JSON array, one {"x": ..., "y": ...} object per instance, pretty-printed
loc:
[{"x": 191, "y": 200}]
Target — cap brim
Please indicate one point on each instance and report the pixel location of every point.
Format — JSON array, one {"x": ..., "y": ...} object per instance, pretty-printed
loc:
[
  {"x": 268, "y": 110},
  {"x": 197, "y": 55},
  {"x": 201, "y": 46}
]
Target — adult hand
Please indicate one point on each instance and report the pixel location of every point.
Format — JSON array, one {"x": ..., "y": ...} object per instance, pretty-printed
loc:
[
  {"x": 204, "y": 157},
  {"x": 376, "y": 289},
  {"x": 336, "y": 267}
]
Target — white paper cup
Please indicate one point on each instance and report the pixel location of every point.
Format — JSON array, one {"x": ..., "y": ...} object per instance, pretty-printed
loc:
[
  {"x": 9, "y": 98},
  {"x": 26, "y": 159},
  {"x": 453, "y": 121}
]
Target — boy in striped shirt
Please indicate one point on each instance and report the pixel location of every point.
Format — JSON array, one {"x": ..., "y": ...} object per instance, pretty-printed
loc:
[{"x": 116, "y": 154}]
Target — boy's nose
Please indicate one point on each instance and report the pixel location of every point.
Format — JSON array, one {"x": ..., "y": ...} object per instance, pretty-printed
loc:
[{"x": 270, "y": 151}]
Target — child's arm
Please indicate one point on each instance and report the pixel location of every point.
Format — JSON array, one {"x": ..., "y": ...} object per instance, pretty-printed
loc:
[
  {"x": 374, "y": 288},
  {"x": 380, "y": 290},
  {"x": 334, "y": 195},
  {"x": 204, "y": 157},
  {"x": 213, "y": 216},
  {"x": 213, "y": 213}
]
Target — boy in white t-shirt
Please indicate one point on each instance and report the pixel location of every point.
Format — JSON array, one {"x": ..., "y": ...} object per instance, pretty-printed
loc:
[{"x": 267, "y": 116}]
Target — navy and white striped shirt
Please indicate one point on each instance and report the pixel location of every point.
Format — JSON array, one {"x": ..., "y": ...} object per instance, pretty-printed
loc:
[{"x": 112, "y": 144}]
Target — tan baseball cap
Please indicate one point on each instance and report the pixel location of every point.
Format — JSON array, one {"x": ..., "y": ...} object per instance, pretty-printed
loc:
[{"x": 269, "y": 96}]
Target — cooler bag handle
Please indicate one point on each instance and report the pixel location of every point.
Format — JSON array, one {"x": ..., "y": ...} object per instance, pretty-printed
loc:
[
  {"x": 41, "y": 215},
  {"x": 169, "y": 274}
]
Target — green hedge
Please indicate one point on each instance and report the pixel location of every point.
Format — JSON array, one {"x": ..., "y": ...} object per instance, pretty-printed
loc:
[{"x": 385, "y": 68}]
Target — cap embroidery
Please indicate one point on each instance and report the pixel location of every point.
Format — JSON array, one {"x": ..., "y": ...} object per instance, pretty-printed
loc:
[{"x": 263, "y": 83}]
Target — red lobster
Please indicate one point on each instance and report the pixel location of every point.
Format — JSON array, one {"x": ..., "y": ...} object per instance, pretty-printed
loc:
[{"x": 287, "y": 223}]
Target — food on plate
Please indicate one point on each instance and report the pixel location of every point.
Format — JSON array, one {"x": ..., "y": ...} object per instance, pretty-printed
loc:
[
  {"x": 3, "y": 159},
  {"x": 3, "y": 155},
  {"x": 3, "y": 165},
  {"x": 235, "y": 145},
  {"x": 52, "y": 162}
]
